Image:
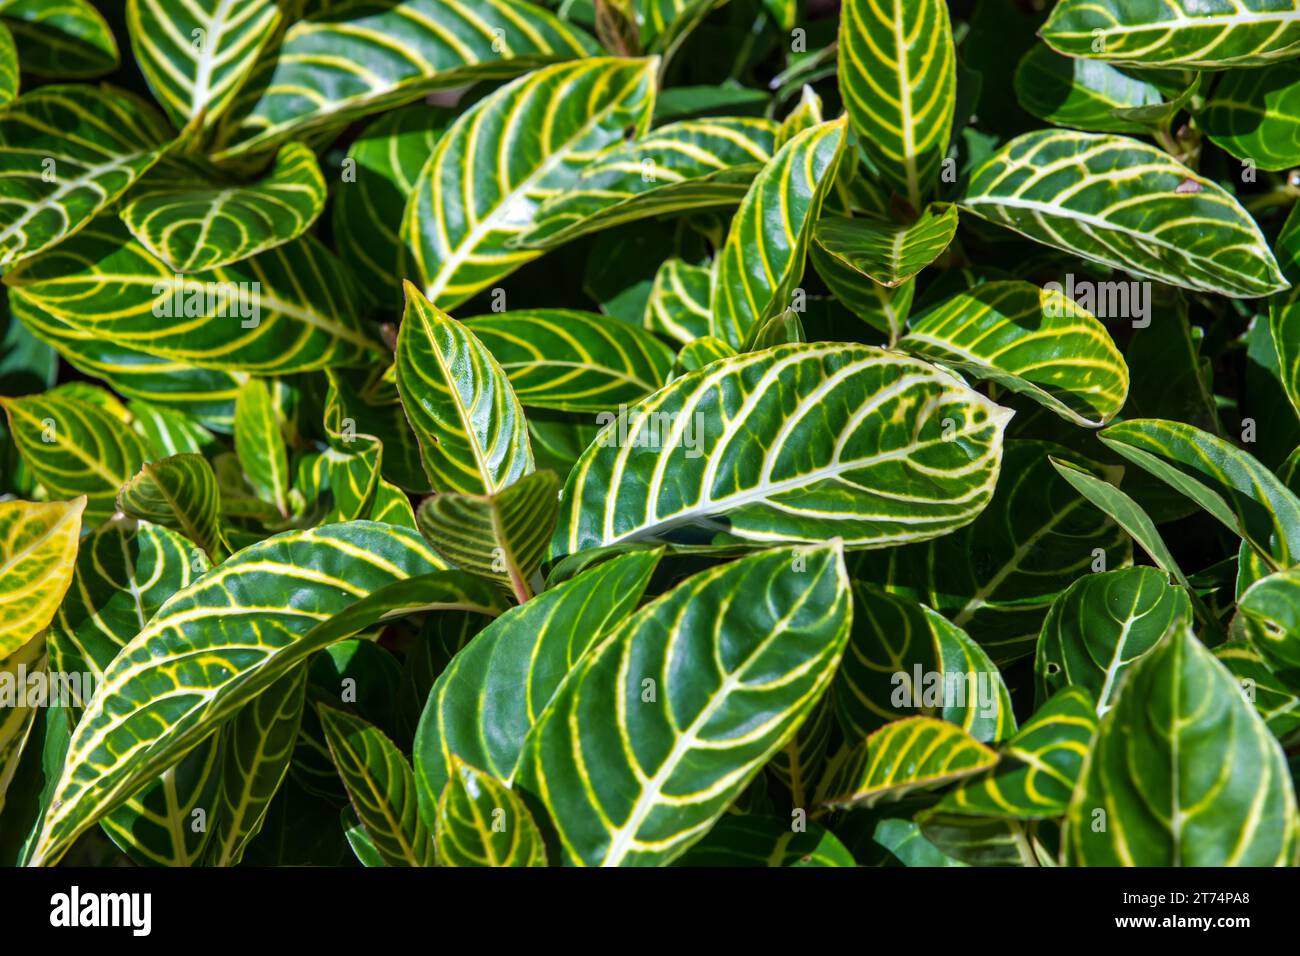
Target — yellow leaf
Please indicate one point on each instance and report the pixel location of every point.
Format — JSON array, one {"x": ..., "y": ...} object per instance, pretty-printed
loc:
[{"x": 38, "y": 547}]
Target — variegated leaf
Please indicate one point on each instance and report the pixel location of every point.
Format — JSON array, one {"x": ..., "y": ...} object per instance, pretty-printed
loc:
[
  {"x": 1185, "y": 772},
  {"x": 381, "y": 788},
  {"x": 1230, "y": 484},
  {"x": 495, "y": 688},
  {"x": 331, "y": 582},
  {"x": 794, "y": 443},
  {"x": 886, "y": 252},
  {"x": 501, "y": 536},
  {"x": 66, "y": 153},
  {"x": 367, "y": 211},
  {"x": 257, "y": 746},
  {"x": 193, "y": 227},
  {"x": 904, "y": 659},
  {"x": 195, "y": 54},
  {"x": 292, "y": 309},
  {"x": 68, "y": 39},
  {"x": 689, "y": 165},
  {"x": 1101, "y": 625},
  {"x": 1029, "y": 340},
  {"x": 1081, "y": 93},
  {"x": 997, "y": 577},
  {"x": 483, "y": 184},
  {"x": 259, "y": 442},
  {"x": 898, "y": 77},
  {"x": 179, "y": 492},
  {"x": 679, "y": 301},
  {"x": 207, "y": 394},
  {"x": 919, "y": 753},
  {"x": 340, "y": 64},
  {"x": 1038, "y": 767},
  {"x": 481, "y": 823},
  {"x": 459, "y": 402},
  {"x": 1127, "y": 205},
  {"x": 1176, "y": 33},
  {"x": 38, "y": 549},
  {"x": 725, "y": 698},
  {"x": 76, "y": 446},
  {"x": 762, "y": 260},
  {"x": 573, "y": 361}
]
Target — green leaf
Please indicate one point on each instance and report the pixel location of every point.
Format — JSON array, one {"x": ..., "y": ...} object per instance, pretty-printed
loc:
[
  {"x": 338, "y": 65},
  {"x": 68, "y": 39},
  {"x": 8, "y": 66},
  {"x": 76, "y": 447},
  {"x": 1101, "y": 625},
  {"x": 904, "y": 659},
  {"x": 482, "y": 823},
  {"x": 1183, "y": 771},
  {"x": 672, "y": 719},
  {"x": 483, "y": 184},
  {"x": 501, "y": 536},
  {"x": 762, "y": 841},
  {"x": 257, "y": 745},
  {"x": 368, "y": 205},
  {"x": 1227, "y": 482},
  {"x": 678, "y": 306},
  {"x": 483, "y": 705},
  {"x": 887, "y": 252},
  {"x": 798, "y": 442},
  {"x": 1081, "y": 93},
  {"x": 460, "y": 404},
  {"x": 1038, "y": 767},
  {"x": 1252, "y": 114},
  {"x": 371, "y": 399},
  {"x": 38, "y": 548},
  {"x": 195, "y": 54},
  {"x": 1176, "y": 33},
  {"x": 199, "y": 225},
  {"x": 158, "y": 698},
  {"x": 66, "y": 153},
  {"x": 1277, "y": 703},
  {"x": 179, "y": 492},
  {"x": 19, "y": 714},
  {"x": 699, "y": 353},
  {"x": 1029, "y": 340},
  {"x": 573, "y": 361},
  {"x": 919, "y": 753},
  {"x": 996, "y": 577},
  {"x": 381, "y": 788},
  {"x": 1271, "y": 609},
  {"x": 259, "y": 442},
  {"x": 879, "y": 306},
  {"x": 125, "y": 570},
  {"x": 292, "y": 309},
  {"x": 207, "y": 394},
  {"x": 1124, "y": 204},
  {"x": 1126, "y": 512},
  {"x": 681, "y": 167},
  {"x": 898, "y": 76},
  {"x": 761, "y": 262},
  {"x": 158, "y": 826},
  {"x": 1284, "y": 310},
  {"x": 341, "y": 483}
]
